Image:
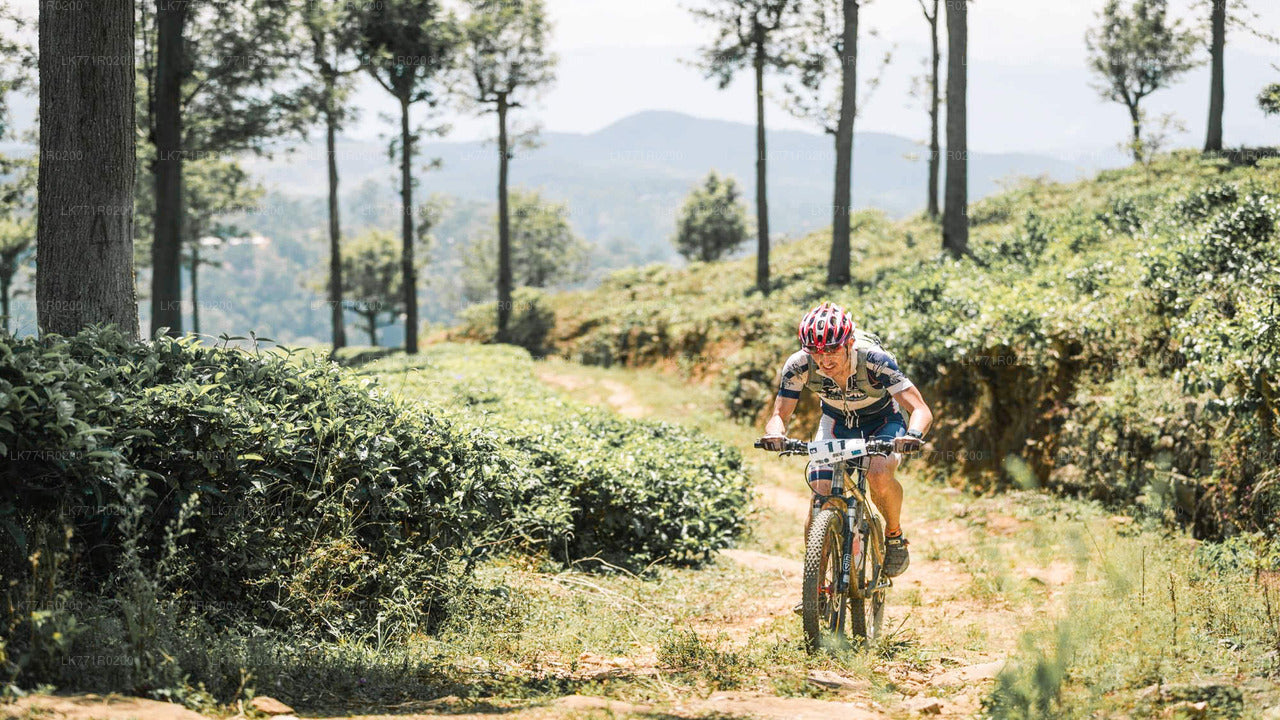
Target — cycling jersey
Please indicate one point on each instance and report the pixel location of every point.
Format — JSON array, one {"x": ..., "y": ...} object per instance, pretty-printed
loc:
[{"x": 849, "y": 403}]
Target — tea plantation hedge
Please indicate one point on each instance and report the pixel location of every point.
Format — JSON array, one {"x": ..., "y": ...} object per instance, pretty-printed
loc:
[
  {"x": 313, "y": 499},
  {"x": 632, "y": 492},
  {"x": 154, "y": 495},
  {"x": 1118, "y": 336}
]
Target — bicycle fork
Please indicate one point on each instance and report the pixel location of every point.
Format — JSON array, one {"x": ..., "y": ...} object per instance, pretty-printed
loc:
[{"x": 852, "y": 549}]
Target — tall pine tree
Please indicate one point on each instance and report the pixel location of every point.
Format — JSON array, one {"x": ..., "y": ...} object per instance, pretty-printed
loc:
[
  {"x": 328, "y": 30},
  {"x": 84, "y": 247},
  {"x": 407, "y": 46},
  {"x": 505, "y": 58},
  {"x": 955, "y": 220},
  {"x": 751, "y": 34}
]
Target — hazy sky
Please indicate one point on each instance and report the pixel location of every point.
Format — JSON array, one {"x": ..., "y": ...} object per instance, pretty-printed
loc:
[
  {"x": 1029, "y": 89},
  {"x": 1028, "y": 83}
]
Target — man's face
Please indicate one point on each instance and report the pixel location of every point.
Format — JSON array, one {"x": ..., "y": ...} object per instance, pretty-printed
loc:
[{"x": 836, "y": 362}]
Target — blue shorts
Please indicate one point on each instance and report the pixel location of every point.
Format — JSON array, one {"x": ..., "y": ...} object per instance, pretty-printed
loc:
[{"x": 881, "y": 426}]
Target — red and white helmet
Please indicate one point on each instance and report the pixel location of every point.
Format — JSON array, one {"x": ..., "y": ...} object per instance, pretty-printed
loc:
[{"x": 825, "y": 328}]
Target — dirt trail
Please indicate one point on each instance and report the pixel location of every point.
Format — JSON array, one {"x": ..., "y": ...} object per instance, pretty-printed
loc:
[
  {"x": 932, "y": 603},
  {"x": 616, "y": 395},
  {"x": 948, "y": 687}
]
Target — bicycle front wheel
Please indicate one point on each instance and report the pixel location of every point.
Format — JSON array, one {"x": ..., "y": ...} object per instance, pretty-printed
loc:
[
  {"x": 866, "y": 605},
  {"x": 824, "y": 609}
]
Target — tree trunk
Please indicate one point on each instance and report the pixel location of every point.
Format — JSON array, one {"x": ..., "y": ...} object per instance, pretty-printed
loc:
[
  {"x": 373, "y": 329},
  {"x": 955, "y": 223},
  {"x": 406, "y": 232},
  {"x": 166, "y": 248},
  {"x": 762, "y": 195},
  {"x": 195, "y": 285},
  {"x": 838, "y": 264},
  {"x": 935, "y": 151},
  {"x": 504, "y": 227},
  {"x": 1135, "y": 117},
  {"x": 1213, "y": 140},
  {"x": 5, "y": 280},
  {"x": 84, "y": 236},
  {"x": 335, "y": 232}
]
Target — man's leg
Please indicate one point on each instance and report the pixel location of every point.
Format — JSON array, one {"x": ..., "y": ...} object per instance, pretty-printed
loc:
[
  {"x": 886, "y": 491},
  {"x": 819, "y": 477}
]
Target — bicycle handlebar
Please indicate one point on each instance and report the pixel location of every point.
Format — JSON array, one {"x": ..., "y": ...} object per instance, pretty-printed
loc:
[
  {"x": 879, "y": 447},
  {"x": 800, "y": 447},
  {"x": 791, "y": 447}
]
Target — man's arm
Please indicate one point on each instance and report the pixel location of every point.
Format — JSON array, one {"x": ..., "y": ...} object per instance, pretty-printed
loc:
[
  {"x": 782, "y": 409},
  {"x": 921, "y": 415},
  {"x": 791, "y": 381}
]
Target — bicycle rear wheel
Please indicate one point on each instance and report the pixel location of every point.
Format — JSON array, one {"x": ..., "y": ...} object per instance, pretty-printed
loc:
[{"x": 824, "y": 610}]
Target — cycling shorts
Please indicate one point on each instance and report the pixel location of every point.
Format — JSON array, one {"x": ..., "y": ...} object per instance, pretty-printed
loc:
[{"x": 881, "y": 426}]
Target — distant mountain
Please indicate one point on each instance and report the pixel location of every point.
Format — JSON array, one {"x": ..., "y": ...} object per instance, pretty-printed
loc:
[
  {"x": 626, "y": 181},
  {"x": 623, "y": 184}
]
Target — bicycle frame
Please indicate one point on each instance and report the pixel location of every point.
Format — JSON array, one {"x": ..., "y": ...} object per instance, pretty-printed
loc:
[
  {"x": 854, "y": 517},
  {"x": 852, "y": 503},
  {"x": 862, "y": 520}
]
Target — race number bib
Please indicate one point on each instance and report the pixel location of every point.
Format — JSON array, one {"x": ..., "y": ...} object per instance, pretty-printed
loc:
[{"x": 827, "y": 452}]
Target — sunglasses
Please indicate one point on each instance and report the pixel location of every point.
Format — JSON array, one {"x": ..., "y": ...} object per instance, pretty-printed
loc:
[{"x": 829, "y": 350}]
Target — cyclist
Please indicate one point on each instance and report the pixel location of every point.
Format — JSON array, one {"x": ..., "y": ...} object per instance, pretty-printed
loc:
[{"x": 861, "y": 388}]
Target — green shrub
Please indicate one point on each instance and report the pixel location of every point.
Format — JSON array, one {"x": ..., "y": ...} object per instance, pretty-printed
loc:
[
  {"x": 1163, "y": 276},
  {"x": 1021, "y": 246},
  {"x": 1198, "y": 205},
  {"x": 317, "y": 501},
  {"x": 1234, "y": 242},
  {"x": 1122, "y": 215},
  {"x": 631, "y": 492},
  {"x": 531, "y": 321}
]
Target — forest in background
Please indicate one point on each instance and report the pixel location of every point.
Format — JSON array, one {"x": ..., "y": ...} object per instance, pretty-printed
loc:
[{"x": 622, "y": 187}]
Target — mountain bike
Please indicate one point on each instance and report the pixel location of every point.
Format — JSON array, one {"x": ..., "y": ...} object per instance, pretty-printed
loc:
[{"x": 844, "y": 581}]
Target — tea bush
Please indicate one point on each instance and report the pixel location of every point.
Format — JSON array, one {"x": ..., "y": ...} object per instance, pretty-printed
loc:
[
  {"x": 631, "y": 492},
  {"x": 530, "y": 323},
  {"x": 1197, "y": 206},
  {"x": 165, "y": 503},
  {"x": 1161, "y": 277},
  {"x": 313, "y": 499}
]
